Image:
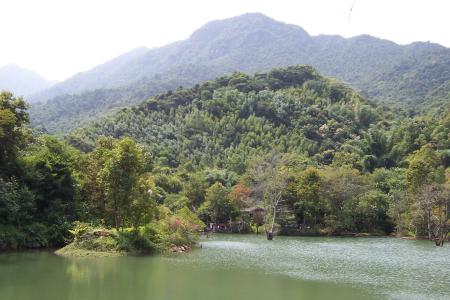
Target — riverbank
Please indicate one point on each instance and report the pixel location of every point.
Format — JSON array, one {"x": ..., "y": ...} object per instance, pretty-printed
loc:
[
  {"x": 75, "y": 250},
  {"x": 103, "y": 247},
  {"x": 72, "y": 250},
  {"x": 154, "y": 238},
  {"x": 323, "y": 232}
]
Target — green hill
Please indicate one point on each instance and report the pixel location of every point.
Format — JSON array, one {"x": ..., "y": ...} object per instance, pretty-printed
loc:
[
  {"x": 380, "y": 69},
  {"x": 234, "y": 118}
]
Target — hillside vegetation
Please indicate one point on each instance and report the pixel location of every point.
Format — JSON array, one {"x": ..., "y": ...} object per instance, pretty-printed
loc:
[
  {"x": 287, "y": 150},
  {"x": 408, "y": 76}
]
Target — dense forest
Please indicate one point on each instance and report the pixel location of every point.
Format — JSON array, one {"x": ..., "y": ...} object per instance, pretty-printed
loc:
[
  {"x": 287, "y": 150},
  {"x": 414, "y": 77}
]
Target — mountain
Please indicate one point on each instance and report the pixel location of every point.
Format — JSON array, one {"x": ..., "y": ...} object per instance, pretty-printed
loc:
[
  {"x": 108, "y": 75},
  {"x": 238, "y": 117},
  {"x": 22, "y": 82},
  {"x": 227, "y": 122},
  {"x": 382, "y": 70}
]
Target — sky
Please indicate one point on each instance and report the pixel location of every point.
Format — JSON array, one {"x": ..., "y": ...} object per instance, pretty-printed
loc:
[{"x": 58, "y": 38}]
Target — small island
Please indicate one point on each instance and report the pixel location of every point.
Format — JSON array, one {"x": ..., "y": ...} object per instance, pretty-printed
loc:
[{"x": 171, "y": 233}]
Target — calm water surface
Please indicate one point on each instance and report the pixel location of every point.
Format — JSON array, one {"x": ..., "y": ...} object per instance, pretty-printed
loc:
[{"x": 240, "y": 267}]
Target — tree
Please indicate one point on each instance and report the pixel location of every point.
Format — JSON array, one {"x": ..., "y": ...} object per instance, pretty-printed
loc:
[
  {"x": 308, "y": 207},
  {"x": 143, "y": 205},
  {"x": 17, "y": 203},
  {"x": 195, "y": 189},
  {"x": 392, "y": 183},
  {"x": 240, "y": 195},
  {"x": 13, "y": 117},
  {"x": 371, "y": 209},
  {"x": 51, "y": 172},
  {"x": 422, "y": 168},
  {"x": 432, "y": 204},
  {"x": 270, "y": 179},
  {"x": 340, "y": 189},
  {"x": 120, "y": 176},
  {"x": 217, "y": 206},
  {"x": 92, "y": 188}
]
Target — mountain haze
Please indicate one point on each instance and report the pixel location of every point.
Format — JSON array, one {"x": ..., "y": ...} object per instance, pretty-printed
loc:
[
  {"x": 107, "y": 75},
  {"x": 22, "y": 82},
  {"x": 381, "y": 69}
]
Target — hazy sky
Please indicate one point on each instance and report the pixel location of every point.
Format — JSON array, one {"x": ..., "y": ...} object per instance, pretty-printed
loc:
[{"x": 58, "y": 38}]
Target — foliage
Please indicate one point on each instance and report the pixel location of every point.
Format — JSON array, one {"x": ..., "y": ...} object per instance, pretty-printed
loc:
[
  {"x": 270, "y": 180},
  {"x": 13, "y": 117},
  {"x": 181, "y": 228},
  {"x": 413, "y": 77},
  {"x": 431, "y": 210},
  {"x": 307, "y": 203},
  {"x": 217, "y": 207},
  {"x": 311, "y": 151}
]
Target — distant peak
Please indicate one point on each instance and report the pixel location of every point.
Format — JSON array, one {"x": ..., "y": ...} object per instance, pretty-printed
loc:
[
  {"x": 246, "y": 22},
  {"x": 249, "y": 17},
  {"x": 254, "y": 15}
]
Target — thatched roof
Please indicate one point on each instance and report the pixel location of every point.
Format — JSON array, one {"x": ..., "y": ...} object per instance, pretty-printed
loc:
[{"x": 254, "y": 209}]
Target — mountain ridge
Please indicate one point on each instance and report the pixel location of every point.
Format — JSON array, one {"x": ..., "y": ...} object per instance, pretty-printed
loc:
[
  {"x": 22, "y": 81},
  {"x": 256, "y": 43}
]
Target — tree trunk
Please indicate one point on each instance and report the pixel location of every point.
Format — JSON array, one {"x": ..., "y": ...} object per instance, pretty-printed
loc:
[
  {"x": 273, "y": 218},
  {"x": 270, "y": 233},
  {"x": 429, "y": 226}
]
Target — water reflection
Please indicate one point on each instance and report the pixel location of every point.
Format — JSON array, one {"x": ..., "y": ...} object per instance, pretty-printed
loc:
[{"x": 239, "y": 267}]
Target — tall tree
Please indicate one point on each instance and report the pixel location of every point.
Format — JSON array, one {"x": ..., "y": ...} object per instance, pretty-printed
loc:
[
  {"x": 340, "y": 188},
  {"x": 13, "y": 116},
  {"x": 120, "y": 176},
  {"x": 217, "y": 204},
  {"x": 143, "y": 205},
  {"x": 432, "y": 205},
  {"x": 92, "y": 188},
  {"x": 270, "y": 179},
  {"x": 422, "y": 168},
  {"x": 51, "y": 168},
  {"x": 308, "y": 206}
]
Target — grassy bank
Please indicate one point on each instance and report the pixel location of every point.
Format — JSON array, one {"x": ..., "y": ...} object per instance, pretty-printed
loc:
[
  {"x": 177, "y": 232},
  {"x": 74, "y": 250}
]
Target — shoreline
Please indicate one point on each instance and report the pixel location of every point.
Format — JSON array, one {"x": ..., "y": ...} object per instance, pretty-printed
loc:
[{"x": 70, "y": 250}]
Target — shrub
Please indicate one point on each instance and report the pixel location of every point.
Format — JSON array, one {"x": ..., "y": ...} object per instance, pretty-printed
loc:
[
  {"x": 59, "y": 234},
  {"x": 146, "y": 239},
  {"x": 182, "y": 228},
  {"x": 36, "y": 236},
  {"x": 80, "y": 228},
  {"x": 11, "y": 237}
]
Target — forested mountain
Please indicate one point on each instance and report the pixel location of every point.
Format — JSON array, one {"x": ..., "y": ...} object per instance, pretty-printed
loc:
[
  {"x": 64, "y": 113},
  {"x": 22, "y": 82},
  {"x": 235, "y": 118},
  {"x": 381, "y": 69}
]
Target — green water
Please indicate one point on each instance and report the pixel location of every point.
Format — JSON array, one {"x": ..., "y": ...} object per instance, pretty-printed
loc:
[{"x": 240, "y": 267}]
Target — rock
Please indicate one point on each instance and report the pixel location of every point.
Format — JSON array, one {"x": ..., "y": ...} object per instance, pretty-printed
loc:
[{"x": 179, "y": 249}]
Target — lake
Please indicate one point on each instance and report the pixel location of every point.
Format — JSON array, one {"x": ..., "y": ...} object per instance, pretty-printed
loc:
[{"x": 240, "y": 267}]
